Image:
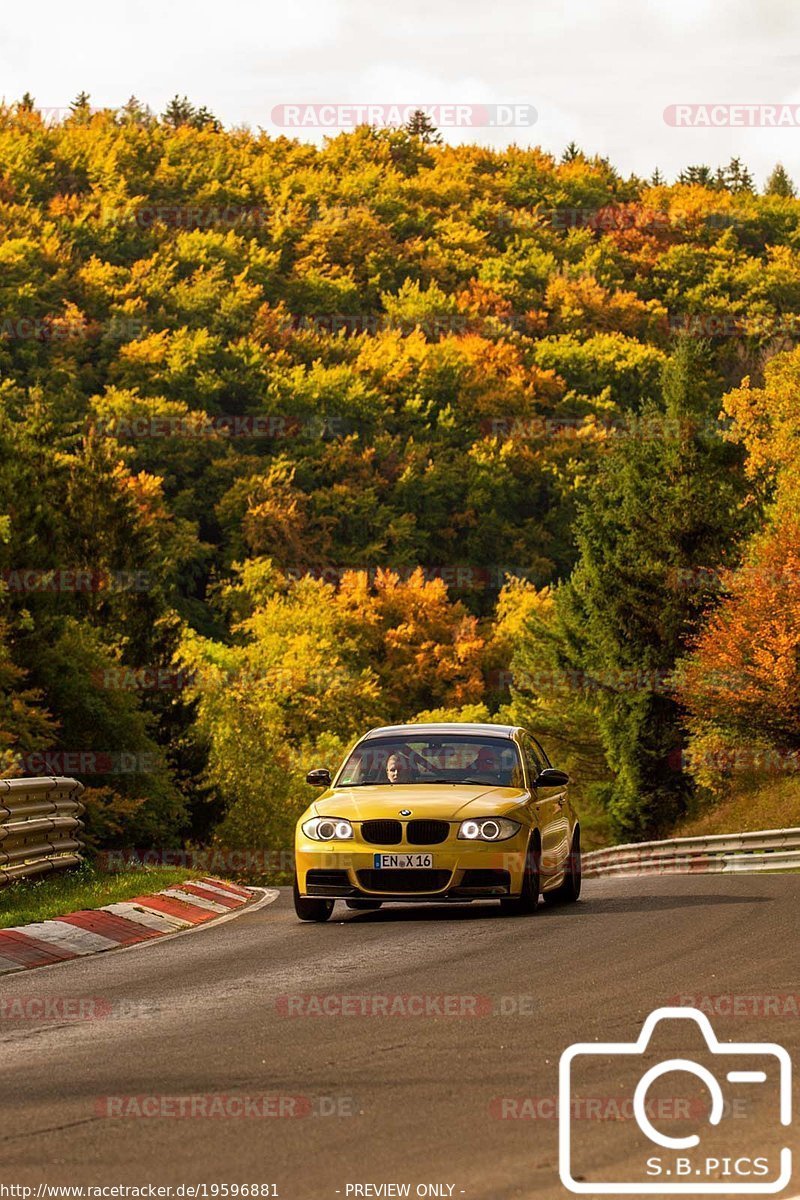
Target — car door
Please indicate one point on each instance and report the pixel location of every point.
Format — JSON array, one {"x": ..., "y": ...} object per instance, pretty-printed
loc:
[{"x": 549, "y": 804}]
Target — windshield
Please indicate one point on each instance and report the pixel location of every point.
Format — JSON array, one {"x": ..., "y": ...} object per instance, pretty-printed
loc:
[{"x": 450, "y": 758}]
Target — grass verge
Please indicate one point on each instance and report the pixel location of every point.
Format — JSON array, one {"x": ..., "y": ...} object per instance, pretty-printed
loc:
[
  {"x": 751, "y": 805},
  {"x": 86, "y": 886}
]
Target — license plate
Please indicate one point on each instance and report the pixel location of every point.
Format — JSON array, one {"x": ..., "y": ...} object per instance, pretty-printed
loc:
[{"x": 401, "y": 862}]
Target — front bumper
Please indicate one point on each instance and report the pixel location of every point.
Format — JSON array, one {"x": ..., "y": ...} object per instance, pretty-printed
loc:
[{"x": 462, "y": 871}]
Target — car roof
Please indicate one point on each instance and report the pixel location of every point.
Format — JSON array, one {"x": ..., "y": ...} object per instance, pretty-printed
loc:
[{"x": 452, "y": 727}]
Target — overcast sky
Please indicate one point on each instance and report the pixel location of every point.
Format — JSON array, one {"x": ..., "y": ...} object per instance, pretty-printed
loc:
[{"x": 599, "y": 72}]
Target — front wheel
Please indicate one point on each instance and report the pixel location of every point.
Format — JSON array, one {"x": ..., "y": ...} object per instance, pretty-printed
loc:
[
  {"x": 310, "y": 908},
  {"x": 569, "y": 889},
  {"x": 528, "y": 898}
]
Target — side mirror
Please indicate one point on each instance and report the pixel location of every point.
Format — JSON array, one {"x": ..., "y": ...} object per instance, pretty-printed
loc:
[
  {"x": 321, "y": 777},
  {"x": 550, "y": 777}
]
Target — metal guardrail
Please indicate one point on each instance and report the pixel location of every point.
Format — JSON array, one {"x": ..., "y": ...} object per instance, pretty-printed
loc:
[
  {"x": 764, "y": 850},
  {"x": 40, "y": 826}
]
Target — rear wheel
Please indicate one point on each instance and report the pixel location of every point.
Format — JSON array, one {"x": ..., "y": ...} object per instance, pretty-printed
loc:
[
  {"x": 363, "y": 905},
  {"x": 569, "y": 889},
  {"x": 311, "y": 908},
  {"x": 528, "y": 898}
]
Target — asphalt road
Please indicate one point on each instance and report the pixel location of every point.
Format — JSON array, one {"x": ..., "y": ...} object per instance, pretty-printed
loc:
[{"x": 462, "y": 1101}]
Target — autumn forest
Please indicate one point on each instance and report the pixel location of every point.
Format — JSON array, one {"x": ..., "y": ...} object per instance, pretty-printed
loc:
[{"x": 295, "y": 440}]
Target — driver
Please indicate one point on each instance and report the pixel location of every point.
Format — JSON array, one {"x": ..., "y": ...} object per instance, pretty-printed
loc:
[{"x": 397, "y": 768}]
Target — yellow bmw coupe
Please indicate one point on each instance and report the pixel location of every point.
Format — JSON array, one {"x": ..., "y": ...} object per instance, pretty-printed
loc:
[{"x": 438, "y": 813}]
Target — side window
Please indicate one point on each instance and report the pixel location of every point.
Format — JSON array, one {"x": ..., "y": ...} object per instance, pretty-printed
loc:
[{"x": 533, "y": 762}]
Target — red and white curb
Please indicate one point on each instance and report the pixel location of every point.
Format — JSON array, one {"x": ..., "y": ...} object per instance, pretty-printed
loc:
[{"x": 123, "y": 924}]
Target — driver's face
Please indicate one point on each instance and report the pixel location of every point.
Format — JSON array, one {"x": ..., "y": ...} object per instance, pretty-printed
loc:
[{"x": 395, "y": 768}]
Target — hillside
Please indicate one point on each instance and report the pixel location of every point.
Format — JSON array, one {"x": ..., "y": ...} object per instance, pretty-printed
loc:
[{"x": 297, "y": 440}]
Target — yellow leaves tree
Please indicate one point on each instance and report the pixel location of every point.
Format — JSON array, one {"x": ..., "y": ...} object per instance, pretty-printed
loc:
[
  {"x": 766, "y": 420},
  {"x": 425, "y": 649},
  {"x": 584, "y": 305}
]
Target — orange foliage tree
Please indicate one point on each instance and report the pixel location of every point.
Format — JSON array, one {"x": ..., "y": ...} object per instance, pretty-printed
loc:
[
  {"x": 741, "y": 685},
  {"x": 744, "y": 674}
]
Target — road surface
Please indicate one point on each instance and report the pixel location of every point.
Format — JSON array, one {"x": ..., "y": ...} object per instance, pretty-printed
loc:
[{"x": 464, "y": 1102}]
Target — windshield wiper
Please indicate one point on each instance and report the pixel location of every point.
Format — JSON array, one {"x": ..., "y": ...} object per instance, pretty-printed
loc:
[
  {"x": 456, "y": 782},
  {"x": 388, "y": 783},
  {"x": 418, "y": 782}
]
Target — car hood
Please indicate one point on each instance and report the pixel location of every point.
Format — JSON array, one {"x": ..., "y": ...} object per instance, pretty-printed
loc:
[{"x": 446, "y": 801}]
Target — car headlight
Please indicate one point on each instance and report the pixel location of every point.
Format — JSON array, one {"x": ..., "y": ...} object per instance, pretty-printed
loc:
[
  {"x": 488, "y": 829},
  {"x": 326, "y": 829}
]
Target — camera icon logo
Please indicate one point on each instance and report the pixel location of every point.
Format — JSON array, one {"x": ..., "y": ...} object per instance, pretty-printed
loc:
[{"x": 665, "y": 1164}]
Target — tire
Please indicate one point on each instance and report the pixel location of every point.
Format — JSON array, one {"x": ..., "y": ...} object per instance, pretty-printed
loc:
[
  {"x": 569, "y": 889},
  {"x": 364, "y": 905},
  {"x": 528, "y": 899},
  {"x": 311, "y": 908}
]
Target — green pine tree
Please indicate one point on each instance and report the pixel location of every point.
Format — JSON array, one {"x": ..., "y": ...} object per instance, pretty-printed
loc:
[
  {"x": 700, "y": 175},
  {"x": 179, "y": 111},
  {"x": 419, "y": 125},
  {"x": 205, "y": 119},
  {"x": 779, "y": 183},
  {"x": 738, "y": 177},
  {"x": 653, "y": 527},
  {"x": 135, "y": 113}
]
